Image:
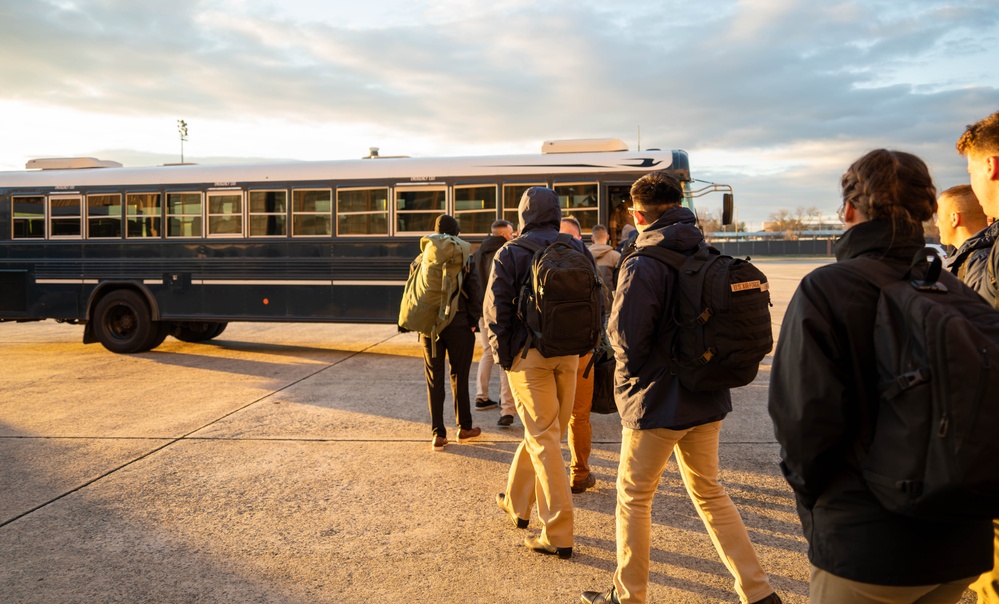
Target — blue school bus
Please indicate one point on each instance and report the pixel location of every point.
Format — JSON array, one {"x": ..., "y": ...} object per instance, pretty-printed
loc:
[{"x": 136, "y": 254}]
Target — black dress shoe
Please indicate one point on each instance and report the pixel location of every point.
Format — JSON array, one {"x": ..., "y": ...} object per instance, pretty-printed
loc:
[
  {"x": 520, "y": 523},
  {"x": 595, "y": 597},
  {"x": 535, "y": 544}
]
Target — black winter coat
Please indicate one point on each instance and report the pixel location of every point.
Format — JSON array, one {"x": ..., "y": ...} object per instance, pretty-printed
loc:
[
  {"x": 646, "y": 393},
  {"x": 823, "y": 396},
  {"x": 483, "y": 258},
  {"x": 540, "y": 216},
  {"x": 971, "y": 262}
]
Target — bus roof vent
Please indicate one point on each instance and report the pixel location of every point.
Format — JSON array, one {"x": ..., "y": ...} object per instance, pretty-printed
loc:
[
  {"x": 584, "y": 145},
  {"x": 69, "y": 163}
]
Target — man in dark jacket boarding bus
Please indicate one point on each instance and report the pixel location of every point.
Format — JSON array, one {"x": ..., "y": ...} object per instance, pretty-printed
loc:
[
  {"x": 827, "y": 400},
  {"x": 543, "y": 385},
  {"x": 660, "y": 416}
]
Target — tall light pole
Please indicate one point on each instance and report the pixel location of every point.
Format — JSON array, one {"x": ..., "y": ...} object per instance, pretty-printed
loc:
[{"x": 182, "y": 128}]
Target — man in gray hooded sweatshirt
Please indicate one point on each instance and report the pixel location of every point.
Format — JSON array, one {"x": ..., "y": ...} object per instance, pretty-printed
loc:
[{"x": 543, "y": 388}]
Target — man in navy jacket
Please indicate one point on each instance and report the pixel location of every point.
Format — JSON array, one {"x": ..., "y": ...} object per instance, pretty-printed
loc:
[{"x": 659, "y": 415}]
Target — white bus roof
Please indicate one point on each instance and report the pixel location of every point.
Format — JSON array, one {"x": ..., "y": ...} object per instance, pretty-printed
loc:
[{"x": 403, "y": 169}]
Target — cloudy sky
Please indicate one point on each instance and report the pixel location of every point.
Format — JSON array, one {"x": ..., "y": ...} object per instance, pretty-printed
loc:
[{"x": 775, "y": 97}]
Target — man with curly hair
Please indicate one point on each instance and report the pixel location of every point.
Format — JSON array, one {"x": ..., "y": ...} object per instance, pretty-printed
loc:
[{"x": 980, "y": 145}]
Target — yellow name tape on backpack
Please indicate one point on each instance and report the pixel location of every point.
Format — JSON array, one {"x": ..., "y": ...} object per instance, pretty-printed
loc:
[{"x": 741, "y": 287}]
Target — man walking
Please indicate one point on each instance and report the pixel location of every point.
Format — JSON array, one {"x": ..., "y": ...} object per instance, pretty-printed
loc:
[
  {"x": 542, "y": 386},
  {"x": 660, "y": 416},
  {"x": 500, "y": 232},
  {"x": 457, "y": 342}
]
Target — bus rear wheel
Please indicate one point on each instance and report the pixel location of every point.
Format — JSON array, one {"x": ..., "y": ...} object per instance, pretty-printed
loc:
[
  {"x": 122, "y": 323},
  {"x": 197, "y": 331}
]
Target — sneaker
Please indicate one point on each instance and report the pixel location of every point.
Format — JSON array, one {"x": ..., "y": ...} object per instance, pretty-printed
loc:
[
  {"x": 482, "y": 405},
  {"x": 464, "y": 435},
  {"x": 587, "y": 483},
  {"x": 535, "y": 544},
  {"x": 771, "y": 599},
  {"x": 438, "y": 443},
  {"x": 505, "y": 421}
]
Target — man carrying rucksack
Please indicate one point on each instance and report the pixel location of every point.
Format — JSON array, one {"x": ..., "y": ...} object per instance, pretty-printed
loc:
[
  {"x": 830, "y": 400},
  {"x": 445, "y": 312},
  {"x": 542, "y": 386},
  {"x": 659, "y": 415}
]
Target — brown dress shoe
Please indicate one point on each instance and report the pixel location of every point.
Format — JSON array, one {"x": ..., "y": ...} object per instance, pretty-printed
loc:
[
  {"x": 587, "y": 483},
  {"x": 464, "y": 435},
  {"x": 438, "y": 443}
]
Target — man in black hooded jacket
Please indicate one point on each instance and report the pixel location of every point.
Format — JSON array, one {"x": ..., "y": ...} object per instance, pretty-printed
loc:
[{"x": 543, "y": 388}]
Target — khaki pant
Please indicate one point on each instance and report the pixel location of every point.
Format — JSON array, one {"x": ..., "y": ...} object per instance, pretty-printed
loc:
[
  {"x": 827, "y": 588},
  {"x": 987, "y": 586},
  {"x": 580, "y": 432},
  {"x": 485, "y": 371},
  {"x": 542, "y": 392},
  {"x": 644, "y": 454}
]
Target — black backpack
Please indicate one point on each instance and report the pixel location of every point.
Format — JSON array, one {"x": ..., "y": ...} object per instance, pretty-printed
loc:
[
  {"x": 560, "y": 299},
  {"x": 719, "y": 317},
  {"x": 934, "y": 445}
]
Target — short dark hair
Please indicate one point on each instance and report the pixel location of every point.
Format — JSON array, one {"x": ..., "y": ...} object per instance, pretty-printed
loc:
[
  {"x": 572, "y": 220},
  {"x": 500, "y": 224},
  {"x": 980, "y": 138},
  {"x": 964, "y": 201},
  {"x": 655, "y": 192}
]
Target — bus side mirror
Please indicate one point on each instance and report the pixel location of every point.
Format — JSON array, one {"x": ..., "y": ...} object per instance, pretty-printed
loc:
[{"x": 728, "y": 208}]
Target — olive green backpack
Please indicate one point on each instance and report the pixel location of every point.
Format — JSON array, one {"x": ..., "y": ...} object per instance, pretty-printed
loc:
[{"x": 430, "y": 299}]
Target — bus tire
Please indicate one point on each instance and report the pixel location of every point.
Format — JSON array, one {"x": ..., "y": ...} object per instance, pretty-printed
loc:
[
  {"x": 122, "y": 322},
  {"x": 196, "y": 331},
  {"x": 160, "y": 331},
  {"x": 219, "y": 328}
]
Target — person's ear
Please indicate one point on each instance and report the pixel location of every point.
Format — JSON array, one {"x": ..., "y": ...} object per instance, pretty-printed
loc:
[
  {"x": 955, "y": 219},
  {"x": 992, "y": 167}
]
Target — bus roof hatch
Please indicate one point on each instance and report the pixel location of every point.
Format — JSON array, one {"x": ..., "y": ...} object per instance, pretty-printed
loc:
[
  {"x": 584, "y": 145},
  {"x": 69, "y": 163}
]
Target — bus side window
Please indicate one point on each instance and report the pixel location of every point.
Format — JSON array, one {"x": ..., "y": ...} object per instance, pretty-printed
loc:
[
  {"x": 29, "y": 217},
  {"x": 66, "y": 216},
  {"x": 268, "y": 213},
  {"x": 362, "y": 211},
  {"x": 310, "y": 211},
  {"x": 580, "y": 202},
  {"x": 184, "y": 214},
  {"x": 103, "y": 216},
  {"x": 143, "y": 213},
  {"x": 475, "y": 208}
]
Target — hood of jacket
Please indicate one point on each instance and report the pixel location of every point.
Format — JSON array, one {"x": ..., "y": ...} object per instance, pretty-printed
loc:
[
  {"x": 599, "y": 250},
  {"x": 877, "y": 239},
  {"x": 675, "y": 230},
  {"x": 539, "y": 209}
]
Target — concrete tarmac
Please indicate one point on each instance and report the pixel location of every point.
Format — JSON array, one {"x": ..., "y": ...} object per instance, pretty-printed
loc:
[{"x": 291, "y": 463}]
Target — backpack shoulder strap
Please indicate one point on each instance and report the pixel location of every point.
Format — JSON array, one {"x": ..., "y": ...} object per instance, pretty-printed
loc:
[
  {"x": 668, "y": 257},
  {"x": 527, "y": 244}
]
